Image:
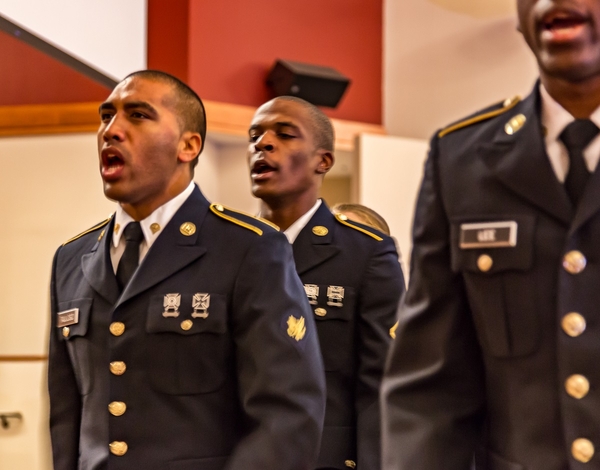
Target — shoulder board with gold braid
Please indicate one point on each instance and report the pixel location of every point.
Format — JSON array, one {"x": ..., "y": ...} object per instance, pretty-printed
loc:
[
  {"x": 506, "y": 105},
  {"x": 95, "y": 227},
  {"x": 230, "y": 215},
  {"x": 342, "y": 219}
]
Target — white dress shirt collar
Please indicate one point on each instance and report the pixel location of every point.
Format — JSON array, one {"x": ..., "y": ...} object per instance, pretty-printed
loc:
[
  {"x": 152, "y": 226},
  {"x": 294, "y": 230}
]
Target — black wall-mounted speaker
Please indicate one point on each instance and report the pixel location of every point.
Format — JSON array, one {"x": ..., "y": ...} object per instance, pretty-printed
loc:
[{"x": 321, "y": 86}]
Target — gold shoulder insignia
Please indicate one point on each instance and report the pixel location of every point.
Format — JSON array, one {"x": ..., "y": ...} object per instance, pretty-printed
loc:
[
  {"x": 95, "y": 227},
  {"x": 342, "y": 219},
  {"x": 507, "y": 104},
  {"x": 296, "y": 327},
  {"x": 221, "y": 210},
  {"x": 393, "y": 330}
]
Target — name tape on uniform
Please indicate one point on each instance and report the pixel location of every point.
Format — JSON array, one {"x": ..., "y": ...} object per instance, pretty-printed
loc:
[
  {"x": 67, "y": 318},
  {"x": 488, "y": 235}
]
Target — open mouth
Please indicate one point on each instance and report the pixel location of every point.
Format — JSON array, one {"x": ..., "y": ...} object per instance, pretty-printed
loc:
[
  {"x": 562, "y": 25},
  {"x": 112, "y": 163},
  {"x": 261, "y": 169}
]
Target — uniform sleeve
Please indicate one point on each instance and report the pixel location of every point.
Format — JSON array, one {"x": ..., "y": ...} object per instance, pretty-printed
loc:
[
  {"x": 380, "y": 292},
  {"x": 433, "y": 389},
  {"x": 280, "y": 370},
  {"x": 65, "y": 401}
]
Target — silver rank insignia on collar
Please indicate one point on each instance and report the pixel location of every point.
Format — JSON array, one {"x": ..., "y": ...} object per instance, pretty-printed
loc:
[
  {"x": 171, "y": 304},
  {"x": 200, "y": 303},
  {"x": 312, "y": 292},
  {"x": 335, "y": 296}
]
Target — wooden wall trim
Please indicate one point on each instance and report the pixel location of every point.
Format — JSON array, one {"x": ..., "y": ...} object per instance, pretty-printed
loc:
[
  {"x": 223, "y": 118},
  {"x": 9, "y": 358}
]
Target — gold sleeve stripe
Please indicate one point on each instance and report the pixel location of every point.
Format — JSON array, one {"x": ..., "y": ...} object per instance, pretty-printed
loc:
[
  {"x": 213, "y": 208},
  {"x": 341, "y": 219},
  {"x": 508, "y": 104},
  {"x": 95, "y": 227}
]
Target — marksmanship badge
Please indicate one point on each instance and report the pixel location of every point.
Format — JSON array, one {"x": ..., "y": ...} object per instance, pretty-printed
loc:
[
  {"x": 171, "y": 304},
  {"x": 200, "y": 303},
  {"x": 335, "y": 296},
  {"x": 296, "y": 328},
  {"x": 312, "y": 292}
]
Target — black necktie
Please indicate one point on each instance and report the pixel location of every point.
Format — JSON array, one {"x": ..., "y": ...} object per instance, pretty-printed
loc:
[
  {"x": 576, "y": 137},
  {"x": 129, "y": 261}
]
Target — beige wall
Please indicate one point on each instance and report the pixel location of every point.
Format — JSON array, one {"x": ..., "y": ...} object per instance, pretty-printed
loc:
[
  {"x": 440, "y": 66},
  {"x": 49, "y": 191}
]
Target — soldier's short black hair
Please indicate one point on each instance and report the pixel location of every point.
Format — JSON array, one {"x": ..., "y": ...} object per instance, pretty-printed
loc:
[
  {"x": 323, "y": 129},
  {"x": 189, "y": 106}
]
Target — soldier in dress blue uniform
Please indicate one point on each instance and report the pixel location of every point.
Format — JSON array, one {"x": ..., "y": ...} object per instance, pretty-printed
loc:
[
  {"x": 499, "y": 338},
  {"x": 205, "y": 356},
  {"x": 350, "y": 272}
]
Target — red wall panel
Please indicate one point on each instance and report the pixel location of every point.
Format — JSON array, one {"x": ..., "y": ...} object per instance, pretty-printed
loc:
[
  {"x": 28, "y": 76},
  {"x": 232, "y": 45}
]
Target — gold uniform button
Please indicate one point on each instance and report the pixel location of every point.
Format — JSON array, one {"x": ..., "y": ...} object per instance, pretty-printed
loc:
[
  {"x": 573, "y": 324},
  {"x": 582, "y": 450},
  {"x": 574, "y": 262},
  {"x": 117, "y": 328},
  {"x": 66, "y": 331},
  {"x": 577, "y": 386},
  {"x": 321, "y": 312},
  {"x": 117, "y": 367},
  {"x": 187, "y": 229},
  {"x": 118, "y": 448},
  {"x": 186, "y": 325},
  {"x": 485, "y": 263},
  {"x": 320, "y": 231},
  {"x": 117, "y": 408},
  {"x": 350, "y": 463}
]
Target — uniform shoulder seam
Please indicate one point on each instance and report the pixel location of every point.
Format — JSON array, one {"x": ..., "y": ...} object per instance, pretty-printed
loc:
[
  {"x": 229, "y": 214},
  {"x": 89, "y": 230},
  {"x": 342, "y": 219},
  {"x": 506, "y": 105}
]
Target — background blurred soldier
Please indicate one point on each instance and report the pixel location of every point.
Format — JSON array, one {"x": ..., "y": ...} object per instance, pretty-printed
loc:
[
  {"x": 499, "y": 337},
  {"x": 350, "y": 273}
]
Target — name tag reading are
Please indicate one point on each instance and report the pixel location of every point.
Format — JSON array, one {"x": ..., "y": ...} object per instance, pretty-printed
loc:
[
  {"x": 67, "y": 318},
  {"x": 488, "y": 235}
]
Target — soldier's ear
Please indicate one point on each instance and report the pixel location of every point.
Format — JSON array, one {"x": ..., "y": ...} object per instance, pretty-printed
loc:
[
  {"x": 326, "y": 161},
  {"x": 189, "y": 146}
]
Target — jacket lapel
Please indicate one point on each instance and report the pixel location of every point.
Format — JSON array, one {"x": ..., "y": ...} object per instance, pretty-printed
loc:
[
  {"x": 172, "y": 250},
  {"x": 589, "y": 203},
  {"x": 311, "y": 250},
  {"x": 520, "y": 162},
  {"x": 97, "y": 267}
]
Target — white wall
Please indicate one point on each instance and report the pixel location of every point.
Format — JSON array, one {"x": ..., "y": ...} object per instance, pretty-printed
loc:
[
  {"x": 223, "y": 174},
  {"x": 109, "y": 35},
  {"x": 390, "y": 174}
]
